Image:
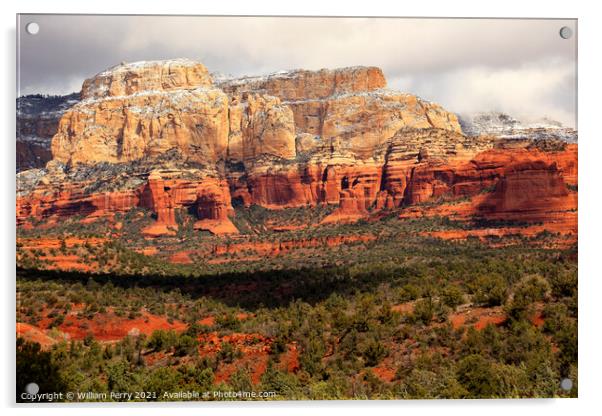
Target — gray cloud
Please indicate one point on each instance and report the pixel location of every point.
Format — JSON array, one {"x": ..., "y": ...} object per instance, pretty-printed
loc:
[{"x": 519, "y": 66}]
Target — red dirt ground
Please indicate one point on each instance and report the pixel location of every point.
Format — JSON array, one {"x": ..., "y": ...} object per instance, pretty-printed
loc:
[
  {"x": 247, "y": 343},
  {"x": 404, "y": 308},
  {"x": 208, "y": 321},
  {"x": 148, "y": 251},
  {"x": 255, "y": 350},
  {"x": 180, "y": 257},
  {"x": 489, "y": 320},
  {"x": 256, "y": 363},
  {"x": 289, "y": 360},
  {"x": 34, "y": 334},
  {"x": 384, "y": 373},
  {"x": 477, "y": 317},
  {"x": 481, "y": 317},
  {"x": 49, "y": 242},
  {"x": 110, "y": 327},
  {"x": 566, "y": 226},
  {"x": 255, "y": 347},
  {"x": 537, "y": 319},
  {"x": 67, "y": 262}
]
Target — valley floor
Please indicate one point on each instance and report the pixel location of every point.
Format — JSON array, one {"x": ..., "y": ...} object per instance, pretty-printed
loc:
[{"x": 394, "y": 306}]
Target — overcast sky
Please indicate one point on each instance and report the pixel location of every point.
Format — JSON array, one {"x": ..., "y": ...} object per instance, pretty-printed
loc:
[{"x": 522, "y": 67}]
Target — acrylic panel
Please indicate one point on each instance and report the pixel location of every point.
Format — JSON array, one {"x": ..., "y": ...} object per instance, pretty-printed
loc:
[{"x": 295, "y": 208}]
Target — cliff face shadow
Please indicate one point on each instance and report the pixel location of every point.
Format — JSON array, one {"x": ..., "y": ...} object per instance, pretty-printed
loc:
[{"x": 250, "y": 290}]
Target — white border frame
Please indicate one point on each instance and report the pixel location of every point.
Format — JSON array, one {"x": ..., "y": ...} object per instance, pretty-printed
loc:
[{"x": 590, "y": 152}]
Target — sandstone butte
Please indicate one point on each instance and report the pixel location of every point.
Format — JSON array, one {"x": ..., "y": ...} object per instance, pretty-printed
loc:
[{"x": 289, "y": 139}]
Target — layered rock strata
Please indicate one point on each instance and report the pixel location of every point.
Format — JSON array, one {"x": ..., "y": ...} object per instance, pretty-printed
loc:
[{"x": 294, "y": 139}]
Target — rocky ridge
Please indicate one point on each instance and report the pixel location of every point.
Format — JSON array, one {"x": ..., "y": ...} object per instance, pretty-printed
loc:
[
  {"x": 507, "y": 127},
  {"x": 162, "y": 135},
  {"x": 38, "y": 118}
]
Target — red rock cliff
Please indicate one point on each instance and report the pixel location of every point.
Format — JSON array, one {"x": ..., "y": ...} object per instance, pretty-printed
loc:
[{"x": 294, "y": 139}]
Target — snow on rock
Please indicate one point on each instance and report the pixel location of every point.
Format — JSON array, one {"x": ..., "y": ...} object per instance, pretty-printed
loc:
[
  {"x": 129, "y": 78},
  {"x": 508, "y": 127},
  {"x": 301, "y": 84}
]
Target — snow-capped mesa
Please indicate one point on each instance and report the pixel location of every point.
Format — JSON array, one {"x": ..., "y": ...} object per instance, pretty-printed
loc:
[{"x": 506, "y": 126}]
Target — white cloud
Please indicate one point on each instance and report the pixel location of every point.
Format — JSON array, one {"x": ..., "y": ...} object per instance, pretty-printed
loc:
[
  {"x": 543, "y": 89},
  {"x": 465, "y": 64},
  {"x": 57, "y": 87}
]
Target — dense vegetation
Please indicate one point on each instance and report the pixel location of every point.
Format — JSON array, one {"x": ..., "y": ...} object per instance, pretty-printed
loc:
[
  {"x": 341, "y": 310},
  {"x": 35, "y": 104},
  {"x": 395, "y": 242}
]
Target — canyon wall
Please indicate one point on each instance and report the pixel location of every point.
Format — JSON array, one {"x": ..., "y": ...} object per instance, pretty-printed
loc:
[{"x": 163, "y": 136}]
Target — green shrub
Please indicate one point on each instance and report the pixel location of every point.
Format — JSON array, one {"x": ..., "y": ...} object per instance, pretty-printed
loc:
[
  {"x": 424, "y": 310},
  {"x": 526, "y": 293},
  {"x": 477, "y": 376},
  {"x": 186, "y": 345},
  {"x": 161, "y": 340},
  {"x": 490, "y": 290},
  {"x": 452, "y": 296},
  {"x": 374, "y": 352}
]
